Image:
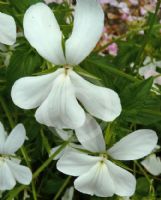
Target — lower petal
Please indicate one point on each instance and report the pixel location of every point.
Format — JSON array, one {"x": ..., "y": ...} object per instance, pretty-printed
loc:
[
  {"x": 124, "y": 182},
  {"x": 97, "y": 181},
  {"x": 101, "y": 102},
  {"x": 21, "y": 173},
  {"x": 61, "y": 109},
  {"x": 7, "y": 181}
]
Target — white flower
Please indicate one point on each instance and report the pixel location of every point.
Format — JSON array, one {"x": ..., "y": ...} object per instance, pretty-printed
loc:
[
  {"x": 56, "y": 94},
  {"x": 10, "y": 168},
  {"x": 150, "y": 69},
  {"x": 152, "y": 164},
  {"x": 7, "y": 29},
  {"x": 98, "y": 174}
]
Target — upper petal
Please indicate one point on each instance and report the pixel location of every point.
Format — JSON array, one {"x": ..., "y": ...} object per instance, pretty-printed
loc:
[
  {"x": 61, "y": 109},
  {"x": 101, "y": 102},
  {"x": 30, "y": 92},
  {"x": 87, "y": 30},
  {"x": 21, "y": 173},
  {"x": 135, "y": 145},
  {"x": 96, "y": 181},
  {"x": 15, "y": 140},
  {"x": 75, "y": 163},
  {"x": 90, "y": 135},
  {"x": 43, "y": 32},
  {"x": 7, "y": 29},
  {"x": 124, "y": 182},
  {"x": 152, "y": 164},
  {"x": 7, "y": 181}
]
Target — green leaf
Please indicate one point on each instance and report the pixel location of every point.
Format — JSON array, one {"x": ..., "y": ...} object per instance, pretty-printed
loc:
[{"x": 24, "y": 62}]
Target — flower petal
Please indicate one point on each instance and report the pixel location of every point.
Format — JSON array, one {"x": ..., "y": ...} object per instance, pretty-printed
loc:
[
  {"x": 21, "y": 173},
  {"x": 124, "y": 182},
  {"x": 135, "y": 145},
  {"x": 152, "y": 164},
  {"x": 7, "y": 181},
  {"x": 75, "y": 163},
  {"x": 15, "y": 140},
  {"x": 43, "y": 32},
  {"x": 30, "y": 92},
  {"x": 7, "y": 29},
  {"x": 101, "y": 102},
  {"x": 87, "y": 30},
  {"x": 145, "y": 69},
  {"x": 96, "y": 181},
  {"x": 61, "y": 109},
  {"x": 90, "y": 135}
]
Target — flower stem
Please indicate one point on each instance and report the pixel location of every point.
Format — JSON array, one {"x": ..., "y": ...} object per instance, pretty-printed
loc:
[{"x": 62, "y": 187}]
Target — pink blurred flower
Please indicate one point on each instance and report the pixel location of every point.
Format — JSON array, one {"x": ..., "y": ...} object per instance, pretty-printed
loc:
[{"x": 113, "y": 49}]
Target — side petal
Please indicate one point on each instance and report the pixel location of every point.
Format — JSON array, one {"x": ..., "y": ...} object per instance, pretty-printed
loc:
[
  {"x": 30, "y": 92},
  {"x": 15, "y": 140},
  {"x": 97, "y": 181},
  {"x": 90, "y": 135},
  {"x": 152, "y": 164},
  {"x": 7, "y": 29},
  {"x": 7, "y": 181},
  {"x": 87, "y": 30},
  {"x": 124, "y": 182},
  {"x": 75, "y": 163},
  {"x": 61, "y": 109},
  {"x": 135, "y": 145},
  {"x": 43, "y": 32},
  {"x": 3, "y": 136},
  {"x": 21, "y": 173},
  {"x": 100, "y": 102}
]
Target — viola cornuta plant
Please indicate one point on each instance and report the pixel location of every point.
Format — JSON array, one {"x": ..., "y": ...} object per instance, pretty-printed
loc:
[{"x": 80, "y": 94}]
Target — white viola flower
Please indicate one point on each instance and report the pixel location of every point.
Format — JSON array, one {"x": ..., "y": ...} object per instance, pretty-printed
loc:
[
  {"x": 10, "y": 168},
  {"x": 7, "y": 29},
  {"x": 152, "y": 164},
  {"x": 98, "y": 174},
  {"x": 65, "y": 136},
  {"x": 149, "y": 69},
  {"x": 57, "y": 94}
]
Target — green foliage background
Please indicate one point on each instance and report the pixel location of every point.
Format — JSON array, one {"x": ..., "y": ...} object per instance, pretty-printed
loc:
[{"x": 141, "y": 106}]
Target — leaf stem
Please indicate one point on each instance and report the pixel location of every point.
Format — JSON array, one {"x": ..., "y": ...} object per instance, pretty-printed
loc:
[{"x": 62, "y": 187}]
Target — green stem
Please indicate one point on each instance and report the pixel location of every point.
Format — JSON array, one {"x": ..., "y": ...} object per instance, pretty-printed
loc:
[
  {"x": 47, "y": 162},
  {"x": 62, "y": 188},
  {"x": 6, "y": 110}
]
